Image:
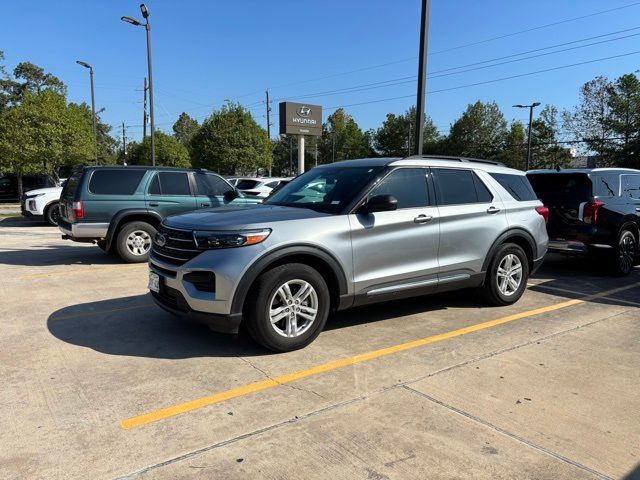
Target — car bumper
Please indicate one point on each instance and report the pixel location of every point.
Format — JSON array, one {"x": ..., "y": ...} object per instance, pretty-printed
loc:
[{"x": 82, "y": 232}]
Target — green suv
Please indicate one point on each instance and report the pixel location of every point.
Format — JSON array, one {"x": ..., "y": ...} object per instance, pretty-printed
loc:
[{"x": 120, "y": 208}]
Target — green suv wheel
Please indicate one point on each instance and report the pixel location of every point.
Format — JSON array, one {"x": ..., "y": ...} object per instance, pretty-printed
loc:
[
  {"x": 134, "y": 242},
  {"x": 287, "y": 308}
]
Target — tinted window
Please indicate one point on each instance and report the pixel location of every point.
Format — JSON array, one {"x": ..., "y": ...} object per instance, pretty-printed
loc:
[
  {"x": 71, "y": 185},
  {"x": 247, "y": 184},
  {"x": 154, "y": 188},
  {"x": 272, "y": 184},
  {"x": 407, "y": 185},
  {"x": 115, "y": 182},
  {"x": 556, "y": 189},
  {"x": 173, "y": 183},
  {"x": 458, "y": 187},
  {"x": 631, "y": 186},
  {"x": 606, "y": 184},
  {"x": 211, "y": 185},
  {"x": 517, "y": 185}
]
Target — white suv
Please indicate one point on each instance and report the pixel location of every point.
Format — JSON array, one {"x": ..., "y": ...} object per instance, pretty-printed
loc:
[{"x": 42, "y": 202}]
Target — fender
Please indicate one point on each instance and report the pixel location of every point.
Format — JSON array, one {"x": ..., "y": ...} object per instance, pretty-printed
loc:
[
  {"x": 510, "y": 233},
  {"x": 629, "y": 222},
  {"x": 273, "y": 256},
  {"x": 121, "y": 215}
]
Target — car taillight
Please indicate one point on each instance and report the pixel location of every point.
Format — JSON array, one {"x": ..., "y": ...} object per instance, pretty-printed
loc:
[
  {"x": 78, "y": 210},
  {"x": 544, "y": 211},
  {"x": 590, "y": 212}
]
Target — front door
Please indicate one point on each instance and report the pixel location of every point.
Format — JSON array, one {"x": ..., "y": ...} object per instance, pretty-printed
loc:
[
  {"x": 398, "y": 249},
  {"x": 170, "y": 193}
]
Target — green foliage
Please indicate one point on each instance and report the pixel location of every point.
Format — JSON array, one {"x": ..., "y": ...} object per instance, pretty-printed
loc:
[
  {"x": 342, "y": 139},
  {"x": 513, "y": 152},
  {"x": 107, "y": 145},
  {"x": 169, "y": 152},
  {"x": 43, "y": 133},
  {"x": 624, "y": 120},
  {"x": 231, "y": 142},
  {"x": 545, "y": 151},
  {"x": 480, "y": 131},
  {"x": 396, "y": 136},
  {"x": 184, "y": 129}
]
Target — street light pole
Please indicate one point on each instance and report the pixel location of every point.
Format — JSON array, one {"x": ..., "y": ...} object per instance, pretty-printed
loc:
[
  {"x": 530, "y": 107},
  {"x": 93, "y": 104},
  {"x": 422, "y": 77},
  {"x": 147, "y": 26}
]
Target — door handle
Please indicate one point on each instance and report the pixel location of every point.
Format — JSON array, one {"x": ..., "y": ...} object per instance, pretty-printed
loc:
[
  {"x": 205, "y": 204},
  {"x": 493, "y": 209},
  {"x": 154, "y": 204},
  {"x": 423, "y": 219}
]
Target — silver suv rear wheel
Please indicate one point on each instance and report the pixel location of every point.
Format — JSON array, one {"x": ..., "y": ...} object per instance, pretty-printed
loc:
[
  {"x": 506, "y": 278},
  {"x": 509, "y": 275}
]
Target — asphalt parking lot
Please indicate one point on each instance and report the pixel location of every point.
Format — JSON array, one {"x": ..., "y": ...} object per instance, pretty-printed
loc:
[{"x": 99, "y": 383}]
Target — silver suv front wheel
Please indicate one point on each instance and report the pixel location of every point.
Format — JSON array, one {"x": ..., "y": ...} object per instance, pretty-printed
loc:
[{"x": 293, "y": 308}]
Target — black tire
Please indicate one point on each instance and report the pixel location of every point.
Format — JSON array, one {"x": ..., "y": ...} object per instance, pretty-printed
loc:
[
  {"x": 265, "y": 291},
  {"x": 491, "y": 290},
  {"x": 102, "y": 245},
  {"x": 126, "y": 251},
  {"x": 626, "y": 254},
  {"x": 52, "y": 214}
]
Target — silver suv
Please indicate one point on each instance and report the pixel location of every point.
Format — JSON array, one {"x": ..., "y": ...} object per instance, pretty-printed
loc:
[{"x": 347, "y": 234}]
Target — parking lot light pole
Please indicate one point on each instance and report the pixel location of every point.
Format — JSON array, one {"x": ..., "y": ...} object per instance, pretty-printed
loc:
[
  {"x": 147, "y": 26},
  {"x": 422, "y": 77},
  {"x": 93, "y": 104},
  {"x": 530, "y": 107}
]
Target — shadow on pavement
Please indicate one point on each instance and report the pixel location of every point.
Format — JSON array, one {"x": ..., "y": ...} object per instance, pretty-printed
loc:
[
  {"x": 633, "y": 474},
  {"x": 23, "y": 222},
  {"x": 72, "y": 254}
]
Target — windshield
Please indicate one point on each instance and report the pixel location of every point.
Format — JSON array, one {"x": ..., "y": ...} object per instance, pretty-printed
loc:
[{"x": 327, "y": 189}]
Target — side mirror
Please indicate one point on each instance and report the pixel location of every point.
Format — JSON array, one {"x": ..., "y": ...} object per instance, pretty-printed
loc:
[
  {"x": 379, "y": 203},
  {"x": 230, "y": 195}
]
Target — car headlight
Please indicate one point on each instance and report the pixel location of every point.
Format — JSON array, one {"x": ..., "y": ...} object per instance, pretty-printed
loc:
[
  {"x": 31, "y": 197},
  {"x": 226, "y": 239}
]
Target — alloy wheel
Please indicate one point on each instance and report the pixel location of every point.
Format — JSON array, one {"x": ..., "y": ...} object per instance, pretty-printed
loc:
[
  {"x": 293, "y": 308},
  {"x": 509, "y": 275},
  {"x": 627, "y": 251},
  {"x": 139, "y": 242}
]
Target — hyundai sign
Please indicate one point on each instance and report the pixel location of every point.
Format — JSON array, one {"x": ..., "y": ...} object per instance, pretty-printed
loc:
[{"x": 300, "y": 119}]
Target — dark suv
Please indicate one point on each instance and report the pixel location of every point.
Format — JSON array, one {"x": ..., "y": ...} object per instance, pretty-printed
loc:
[
  {"x": 120, "y": 208},
  {"x": 593, "y": 211}
]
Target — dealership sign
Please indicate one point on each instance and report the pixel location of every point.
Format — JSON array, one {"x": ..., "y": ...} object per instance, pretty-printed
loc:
[{"x": 300, "y": 119}]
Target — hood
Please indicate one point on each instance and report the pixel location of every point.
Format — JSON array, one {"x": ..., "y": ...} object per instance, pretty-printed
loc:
[
  {"x": 239, "y": 217},
  {"x": 43, "y": 190}
]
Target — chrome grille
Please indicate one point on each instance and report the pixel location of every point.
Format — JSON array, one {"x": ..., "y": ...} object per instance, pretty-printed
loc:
[{"x": 179, "y": 247}]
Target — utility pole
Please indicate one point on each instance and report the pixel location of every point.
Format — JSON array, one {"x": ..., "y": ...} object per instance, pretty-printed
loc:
[
  {"x": 422, "y": 77},
  {"x": 290, "y": 155},
  {"x": 268, "y": 121},
  {"x": 144, "y": 118},
  {"x": 316, "y": 151},
  {"x": 124, "y": 145},
  {"x": 333, "y": 146},
  {"x": 530, "y": 107}
]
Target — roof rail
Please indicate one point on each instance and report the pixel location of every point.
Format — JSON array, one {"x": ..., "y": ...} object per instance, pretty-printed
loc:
[{"x": 454, "y": 158}]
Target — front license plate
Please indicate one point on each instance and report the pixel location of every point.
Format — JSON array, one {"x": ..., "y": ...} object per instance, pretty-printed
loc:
[{"x": 154, "y": 282}]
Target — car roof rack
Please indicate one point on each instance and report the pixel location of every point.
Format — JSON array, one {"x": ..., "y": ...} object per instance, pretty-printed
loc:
[{"x": 454, "y": 159}]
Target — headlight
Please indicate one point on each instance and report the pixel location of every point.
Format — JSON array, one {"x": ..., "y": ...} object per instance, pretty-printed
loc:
[
  {"x": 31, "y": 197},
  {"x": 221, "y": 239}
]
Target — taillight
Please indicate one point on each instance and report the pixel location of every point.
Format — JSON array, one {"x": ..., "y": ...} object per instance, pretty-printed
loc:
[
  {"x": 544, "y": 211},
  {"x": 78, "y": 210},
  {"x": 590, "y": 212}
]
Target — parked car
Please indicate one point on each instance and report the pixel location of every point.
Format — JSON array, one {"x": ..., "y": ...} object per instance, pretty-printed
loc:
[
  {"x": 259, "y": 187},
  {"x": 43, "y": 203},
  {"x": 120, "y": 208},
  {"x": 9, "y": 185},
  {"x": 379, "y": 229},
  {"x": 595, "y": 212}
]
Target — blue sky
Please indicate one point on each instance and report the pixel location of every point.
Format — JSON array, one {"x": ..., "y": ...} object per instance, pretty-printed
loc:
[{"x": 207, "y": 51}]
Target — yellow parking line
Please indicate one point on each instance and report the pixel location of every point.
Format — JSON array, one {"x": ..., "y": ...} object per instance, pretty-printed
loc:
[
  {"x": 180, "y": 408},
  {"x": 81, "y": 270}
]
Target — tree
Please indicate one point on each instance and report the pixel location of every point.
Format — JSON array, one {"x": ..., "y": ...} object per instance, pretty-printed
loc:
[
  {"x": 169, "y": 152},
  {"x": 480, "y": 132},
  {"x": 624, "y": 120},
  {"x": 342, "y": 139},
  {"x": 589, "y": 121},
  {"x": 184, "y": 129},
  {"x": 546, "y": 152},
  {"x": 396, "y": 136},
  {"x": 514, "y": 149},
  {"x": 107, "y": 145},
  {"x": 231, "y": 142},
  {"x": 42, "y": 134}
]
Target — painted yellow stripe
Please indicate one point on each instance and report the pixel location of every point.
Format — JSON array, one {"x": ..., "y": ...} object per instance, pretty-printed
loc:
[
  {"x": 83, "y": 270},
  {"x": 180, "y": 408}
]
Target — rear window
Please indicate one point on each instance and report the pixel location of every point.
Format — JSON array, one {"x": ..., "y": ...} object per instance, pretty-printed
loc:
[
  {"x": 170, "y": 183},
  {"x": 517, "y": 185},
  {"x": 71, "y": 185},
  {"x": 459, "y": 187},
  {"x": 561, "y": 188},
  {"x": 606, "y": 184},
  {"x": 247, "y": 184},
  {"x": 115, "y": 182},
  {"x": 631, "y": 186}
]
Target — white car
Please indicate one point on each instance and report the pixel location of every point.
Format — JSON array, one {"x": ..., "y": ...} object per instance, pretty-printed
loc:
[
  {"x": 42, "y": 202},
  {"x": 259, "y": 187}
]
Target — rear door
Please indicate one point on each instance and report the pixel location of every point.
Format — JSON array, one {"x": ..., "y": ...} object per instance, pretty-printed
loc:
[
  {"x": 471, "y": 219},
  {"x": 401, "y": 246},
  {"x": 563, "y": 194},
  {"x": 170, "y": 193}
]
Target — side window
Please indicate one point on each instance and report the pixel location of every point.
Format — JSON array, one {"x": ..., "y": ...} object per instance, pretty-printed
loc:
[
  {"x": 407, "y": 185},
  {"x": 631, "y": 186},
  {"x": 459, "y": 187},
  {"x": 170, "y": 183},
  {"x": 606, "y": 184},
  {"x": 211, "y": 185},
  {"x": 517, "y": 185},
  {"x": 115, "y": 182}
]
